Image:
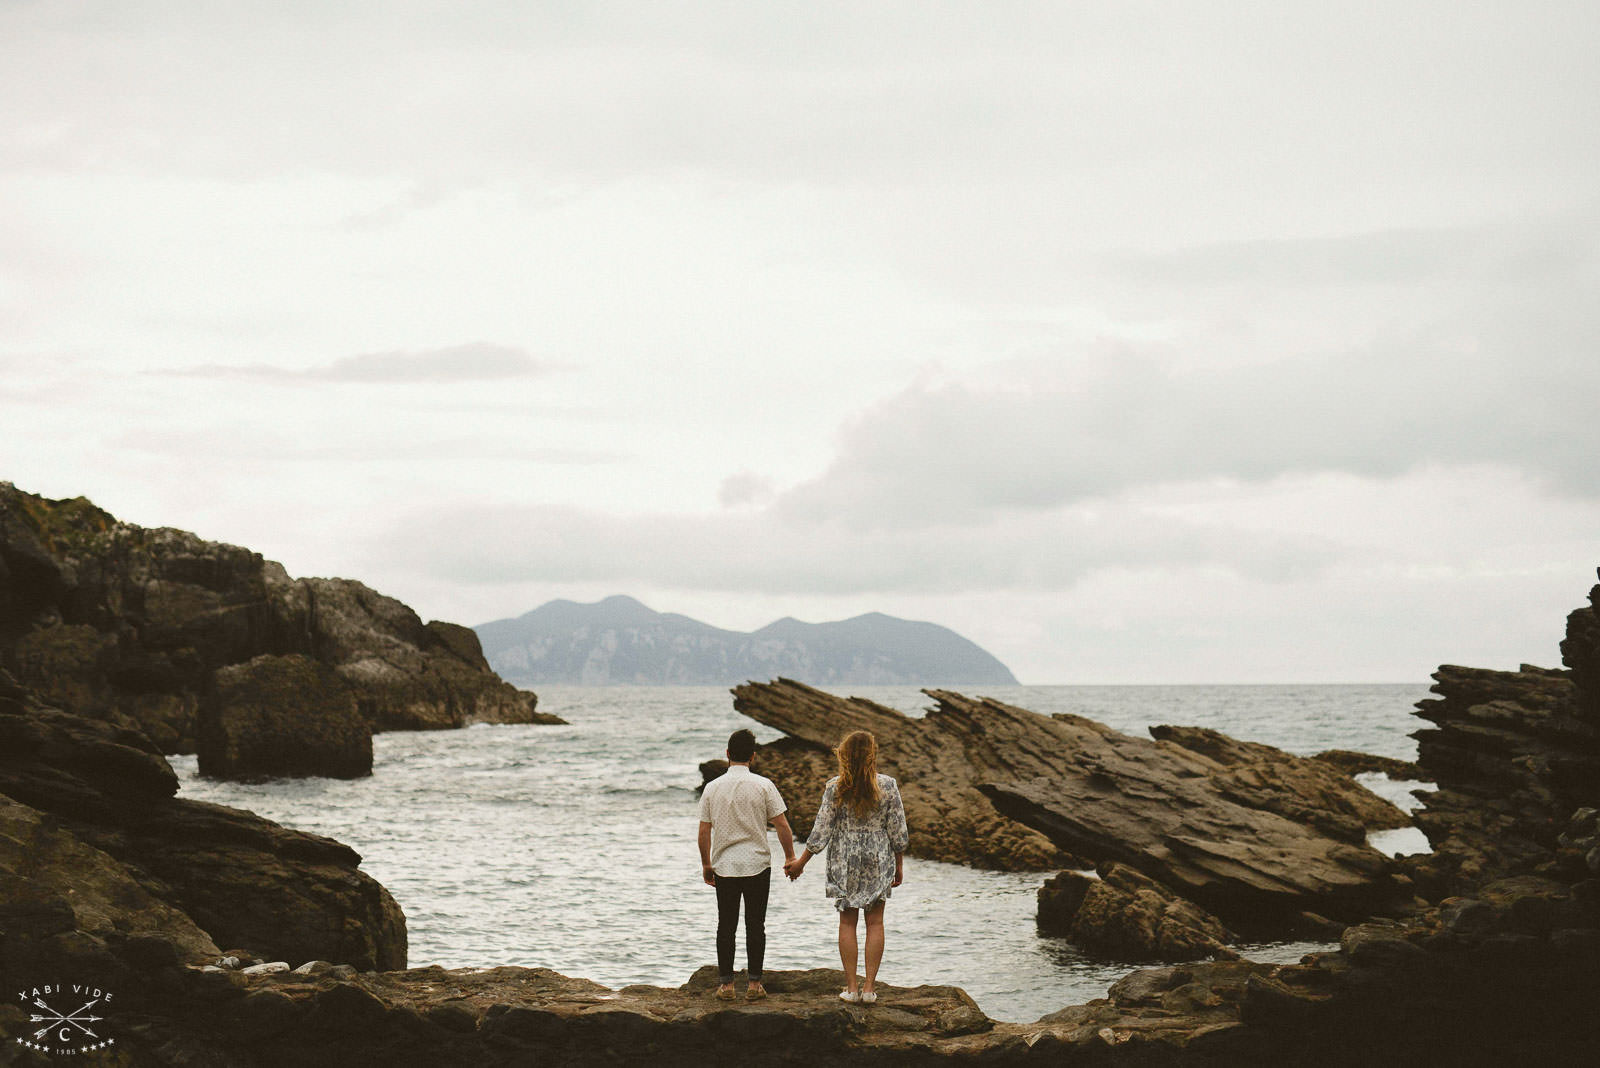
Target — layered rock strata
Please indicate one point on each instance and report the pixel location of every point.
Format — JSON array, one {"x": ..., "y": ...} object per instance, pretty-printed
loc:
[
  {"x": 129, "y": 624},
  {"x": 101, "y": 863},
  {"x": 1249, "y": 832},
  {"x": 1516, "y": 755}
]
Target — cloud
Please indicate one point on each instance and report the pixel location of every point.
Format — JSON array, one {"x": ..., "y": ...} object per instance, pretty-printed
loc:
[
  {"x": 1501, "y": 374},
  {"x": 1495, "y": 253},
  {"x": 744, "y": 488},
  {"x": 473, "y": 362},
  {"x": 762, "y": 552},
  {"x": 236, "y": 444}
]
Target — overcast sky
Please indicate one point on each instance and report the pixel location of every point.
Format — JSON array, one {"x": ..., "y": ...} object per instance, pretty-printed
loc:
[{"x": 1139, "y": 342}]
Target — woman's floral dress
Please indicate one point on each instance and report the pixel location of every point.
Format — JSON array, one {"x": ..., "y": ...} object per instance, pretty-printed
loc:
[{"x": 861, "y": 860}]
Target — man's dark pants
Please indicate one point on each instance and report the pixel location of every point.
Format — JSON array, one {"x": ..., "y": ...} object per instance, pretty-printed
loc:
[{"x": 752, "y": 889}]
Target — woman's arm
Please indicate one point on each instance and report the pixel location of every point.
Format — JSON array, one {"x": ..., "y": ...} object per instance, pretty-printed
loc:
[
  {"x": 894, "y": 819},
  {"x": 822, "y": 826},
  {"x": 899, "y": 869}
]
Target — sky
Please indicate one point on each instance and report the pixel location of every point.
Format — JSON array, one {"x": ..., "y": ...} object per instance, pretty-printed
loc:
[{"x": 1138, "y": 342}]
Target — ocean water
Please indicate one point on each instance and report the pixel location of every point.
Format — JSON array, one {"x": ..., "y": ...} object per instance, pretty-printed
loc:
[{"x": 573, "y": 847}]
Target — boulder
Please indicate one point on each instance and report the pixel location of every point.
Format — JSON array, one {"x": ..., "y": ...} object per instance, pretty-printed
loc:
[
  {"x": 68, "y": 907},
  {"x": 1225, "y": 824},
  {"x": 282, "y": 716},
  {"x": 1123, "y": 915}
]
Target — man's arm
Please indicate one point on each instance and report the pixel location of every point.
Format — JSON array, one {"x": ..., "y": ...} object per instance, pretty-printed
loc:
[
  {"x": 780, "y": 823},
  {"x": 705, "y": 855}
]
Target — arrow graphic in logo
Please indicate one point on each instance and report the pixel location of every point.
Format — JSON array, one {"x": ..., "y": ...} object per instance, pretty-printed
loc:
[{"x": 56, "y": 1019}]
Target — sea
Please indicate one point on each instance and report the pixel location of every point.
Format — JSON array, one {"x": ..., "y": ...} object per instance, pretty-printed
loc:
[{"x": 573, "y": 847}]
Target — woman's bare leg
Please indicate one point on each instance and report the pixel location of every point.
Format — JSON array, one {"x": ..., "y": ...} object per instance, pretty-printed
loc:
[
  {"x": 847, "y": 946},
  {"x": 874, "y": 942}
]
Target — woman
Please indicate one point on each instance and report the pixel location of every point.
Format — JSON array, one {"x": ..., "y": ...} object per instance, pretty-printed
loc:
[{"x": 862, "y": 818}]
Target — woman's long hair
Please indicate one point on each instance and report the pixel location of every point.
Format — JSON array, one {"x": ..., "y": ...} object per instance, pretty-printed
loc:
[{"x": 858, "y": 773}]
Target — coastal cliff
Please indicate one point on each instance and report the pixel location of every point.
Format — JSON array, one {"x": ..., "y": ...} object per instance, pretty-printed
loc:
[{"x": 131, "y": 625}]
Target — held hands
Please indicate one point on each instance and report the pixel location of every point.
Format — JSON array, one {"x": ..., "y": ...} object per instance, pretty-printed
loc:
[{"x": 796, "y": 864}]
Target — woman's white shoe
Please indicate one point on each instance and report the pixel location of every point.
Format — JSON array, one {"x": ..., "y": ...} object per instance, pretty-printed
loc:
[
  {"x": 869, "y": 996},
  {"x": 851, "y": 995}
]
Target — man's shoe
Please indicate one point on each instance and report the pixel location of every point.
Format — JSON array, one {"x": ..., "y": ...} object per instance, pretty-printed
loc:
[
  {"x": 755, "y": 992},
  {"x": 725, "y": 992}
]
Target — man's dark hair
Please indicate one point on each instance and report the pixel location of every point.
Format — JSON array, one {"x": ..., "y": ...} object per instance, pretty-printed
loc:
[{"x": 741, "y": 746}]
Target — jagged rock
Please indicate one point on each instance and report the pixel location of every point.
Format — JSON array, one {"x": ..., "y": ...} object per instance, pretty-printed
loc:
[
  {"x": 1124, "y": 915},
  {"x": 282, "y": 716},
  {"x": 949, "y": 819},
  {"x": 1580, "y": 652},
  {"x": 1214, "y": 830},
  {"x": 1514, "y": 757},
  {"x": 129, "y": 624},
  {"x": 236, "y": 878},
  {"x": 1353, "y": 763}
]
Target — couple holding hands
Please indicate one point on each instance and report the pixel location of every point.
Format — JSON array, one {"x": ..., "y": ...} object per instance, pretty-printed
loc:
[{"x": 860, "y": 823}]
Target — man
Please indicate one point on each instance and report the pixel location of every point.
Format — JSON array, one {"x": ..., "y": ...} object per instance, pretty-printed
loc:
[{"x": 735, "y": 809}]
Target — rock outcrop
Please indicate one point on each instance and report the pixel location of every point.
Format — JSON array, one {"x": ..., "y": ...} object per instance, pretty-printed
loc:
[
  {"x": 948, "y": 818},
  {"x": 1251, "y": 833},
  {"x": 1515, "y": 754},
  {"x": 522, "y": 1016},
  {"x": 129, "y": 624},
  {"x": 281, "y": 716},
  {"x": 99, "y": 859},
  {"x": 1123, "y": 915}
]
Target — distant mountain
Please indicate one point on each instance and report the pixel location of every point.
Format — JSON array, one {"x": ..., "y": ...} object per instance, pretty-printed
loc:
[{"x": 620, "y": 641}]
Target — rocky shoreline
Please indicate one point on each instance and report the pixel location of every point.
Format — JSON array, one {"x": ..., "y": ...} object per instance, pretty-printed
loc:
[
  {"x": 209, "y": 647},
  {"x": 1486, "y": 950}
]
